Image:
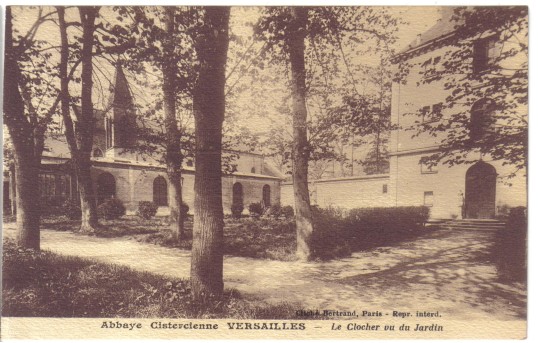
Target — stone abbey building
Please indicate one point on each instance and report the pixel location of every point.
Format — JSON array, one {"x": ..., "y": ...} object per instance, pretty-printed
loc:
[
  {"x": 466, "y": 191},
  {"x": 477, "y": 191},
  {"x": 119, "y": 172}
]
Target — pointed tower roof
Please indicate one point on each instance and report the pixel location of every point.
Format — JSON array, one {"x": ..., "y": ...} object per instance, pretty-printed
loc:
[{"x": 120, "y": 93}]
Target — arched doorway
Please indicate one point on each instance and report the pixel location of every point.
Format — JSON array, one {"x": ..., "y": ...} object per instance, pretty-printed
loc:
[
  {"x": 160, "y": 191},
  {"x": 266, "y": 196},
  {"x": 480, "y": 187},
  {"x": 237, "y": 194},
  {"x": 106, "y": 187}
]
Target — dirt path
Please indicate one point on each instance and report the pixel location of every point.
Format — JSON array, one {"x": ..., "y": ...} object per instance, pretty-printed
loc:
[{"x": 444, "y": 271}]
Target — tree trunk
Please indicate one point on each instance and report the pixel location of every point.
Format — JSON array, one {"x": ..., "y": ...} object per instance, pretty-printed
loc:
[
  {"x": 88, "y": 205},
  {"x": 26, "y": 162},
  {"x": 301, "y": 151},
  {"x": 28, "y": 204},
  {"x": 174, "y": 156},
  {"x": 12, "y": 189},
  {"x": 209, "y": 103},
  {"x": 85, "y": 124}
]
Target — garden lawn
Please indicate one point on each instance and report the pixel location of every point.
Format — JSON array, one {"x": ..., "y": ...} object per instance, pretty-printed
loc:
[
  {"x": 262, "y": 238},
  {"x": 124, "y": 226},
  {"x": 337, "y": 233},
  {"x": 45, "y": 284}
]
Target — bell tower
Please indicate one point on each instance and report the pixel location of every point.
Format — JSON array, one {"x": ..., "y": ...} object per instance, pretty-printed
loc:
[{"x": 120, "y": 119}]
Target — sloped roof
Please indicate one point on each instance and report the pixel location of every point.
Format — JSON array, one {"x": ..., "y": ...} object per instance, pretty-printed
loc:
[
  {"x": 443, "y": 28},
  {"x": 271, "y": 170}
]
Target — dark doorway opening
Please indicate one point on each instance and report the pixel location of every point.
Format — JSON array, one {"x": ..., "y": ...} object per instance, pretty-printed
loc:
[
  {"x": 106, "y": 187},
  {"x": 480, "y": 188},
  {"x": 266, "y": 196},
  {"x": 160, "y": 191},
  {"x": 237, "y": 194}
]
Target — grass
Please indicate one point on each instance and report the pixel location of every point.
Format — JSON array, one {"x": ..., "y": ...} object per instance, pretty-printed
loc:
[
  {"x": 246, "y": 237},
  {"x": 45, "y": 284},
  {"x": 260, "y": 238},
  {"x": 124, "y": 226}
]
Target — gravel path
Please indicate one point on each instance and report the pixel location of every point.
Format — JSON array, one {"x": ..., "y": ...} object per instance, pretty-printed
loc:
[{"x": 443, "y": 271}]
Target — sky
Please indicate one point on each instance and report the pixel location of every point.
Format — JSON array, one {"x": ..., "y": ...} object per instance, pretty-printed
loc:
[{"x": 254, "y": 107}]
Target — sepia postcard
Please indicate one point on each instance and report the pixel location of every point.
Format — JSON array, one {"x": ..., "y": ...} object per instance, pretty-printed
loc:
[{"x": 272, "y": 172}]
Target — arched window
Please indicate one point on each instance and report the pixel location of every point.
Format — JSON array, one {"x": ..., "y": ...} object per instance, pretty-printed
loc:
[
  {"x": 160, "y": 191},
  {"x": 266, "y": 196},
  {"x": 253, "y": 170},
  {"x": 106, "y": 187},
  {"x": 237, "y": 194},
  {"x": 482, "y": 119},
  {"x": 97, "y": 152}
]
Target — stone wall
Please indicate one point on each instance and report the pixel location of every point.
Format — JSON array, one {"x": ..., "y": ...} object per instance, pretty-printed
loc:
[
  {"x": 348, "y": 192},
  {"x": 134, "y": 184}
]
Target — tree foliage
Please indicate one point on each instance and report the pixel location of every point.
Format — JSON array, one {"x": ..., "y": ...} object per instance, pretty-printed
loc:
[{"x": 340, "y": 44}]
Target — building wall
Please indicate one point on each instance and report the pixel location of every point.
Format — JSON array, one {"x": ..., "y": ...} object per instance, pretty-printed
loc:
[
  {"x": 407, "y": 182},
  {"x": 252, "y": 190},
  {"x": 246, "y": 161},
  {"x": 134, "y": 184},
  {"x": 350, "y": 192},
  {"x": 448, "y": 186}
]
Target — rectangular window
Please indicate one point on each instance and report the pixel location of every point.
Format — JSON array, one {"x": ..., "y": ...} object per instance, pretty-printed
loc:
[
  {"x": 385, "y": 188},
  {"x": 426, "y": 65},
  {"x": 427, "y": 168},
  {"x": 436, "y": 111},
  {"x": 431, "y": 113},
  {"x": 484, "y": 51},
  {"x": 429, "y": 66},
  {"x": 53, "y": 185},
  {"x": 425, "y": 113},
  {"x": 428, "y": 198}
]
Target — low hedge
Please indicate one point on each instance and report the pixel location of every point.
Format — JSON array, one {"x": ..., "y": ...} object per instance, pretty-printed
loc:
[
  {"x": 338, "y": 232},
  {"x": 379, "y": 226}
]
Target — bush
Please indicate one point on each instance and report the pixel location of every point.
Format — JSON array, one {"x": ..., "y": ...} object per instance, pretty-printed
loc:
[
  {"x": 237, "y": 210},
  {"x": 71, "y": 210},
  {"x": 255, "y": 209},
  {"x": 146, "y": 209},
  {"x": 52, "y": 206},
  {"x": 329, "y": 239},
  {"x": 275, "y": 211},
  {"x": 337, "y": 232},
  {"x": 111, "y": 209},
  {"x": 509, "y": 252},
  {"x": 378, "y": 226},
  {"x": 287, "y": 211}
]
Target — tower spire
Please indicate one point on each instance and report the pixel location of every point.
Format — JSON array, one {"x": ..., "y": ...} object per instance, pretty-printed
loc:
[{"x": 121, "y": 94}]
